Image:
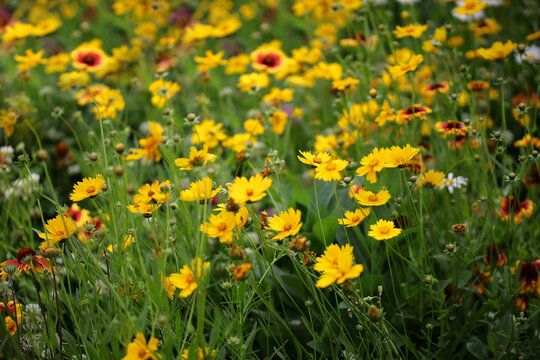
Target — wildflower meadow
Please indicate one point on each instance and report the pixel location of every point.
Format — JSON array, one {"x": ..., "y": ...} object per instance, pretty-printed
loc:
[{"x": 273, "y": 179}]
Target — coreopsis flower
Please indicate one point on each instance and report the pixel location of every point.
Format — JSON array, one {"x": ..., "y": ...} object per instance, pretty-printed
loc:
[
  {"x": 73, "y": 78},
  {"x": 253, "y": 81},
  {"x": 238, "y": 142},
  {"x": 254, "y": 127},
  {"x": 419, "y": 111},
  {"x": 498, "y": 51},
  {"x": 243, "y": 190},
  {"x": 372, "y": 164},
  {"x": 512, "y": 207},
  {"x": 8, "y": 120},
  {"x": 237, "y": 64},
  {"x": 348, "y": 84},
  {"x": 330, "y": 170},
  {"x": 336, "y": 265},
  {"x": 278, "y": 120},
  {"x": 277, "y": 96},
  {"x": 87, "y": 188},
  {"x": 386, "y": 114},
  {"x": 354, "y": 218},
  {"x": 150, "y": 145},
  {"x": 57, "y": 63},
  {"x": 314, "y": 160},
  {"x": 405, "y": 66},
  {"x": 450, "y": 182},
  {"x": 30, "y": 59},
  {"x": 431, "y": 178},
  {"x": 400, "y": 156},
  {"x": 220, "y": 226},
  {"x": 412, "y": 30},
  {"x": 196, "y": 158},
  {"x": 170, "y": 289},
  {"x": 162, "y": 91},
  {"x": 127, "y": 241},
  {"x": 286, "y": 224},
  {"x": 470, "y": 7},
  {"x": 528, "y": 277},
  {"x": 268, "y": 58},
  {"x": 241, "y": 217},
  {"x": 495, "y": 256},
  {"x": 368, "y": 198},
  {"x": 484, "y": 27},
  {"x": 202, "y": 354},
  {"x": 57, "y": 229},
  {"x": 156, "y": 192},
  {"x": 146, "y": 209},
  {"x": 12, "y": 325},
  {"x": 452, "y": 127},
  {"x": 190, "y": 277},
  {"x": 108, "y": 102},
  {"x": 27, "y": 261},
  {"x": 209, "y": 60},
  {"x": 208, "y": 133},
  {"x": 240, "y": 270},
  {"x": 383, "y": 230},
  {"x": 140, "y": 350}
]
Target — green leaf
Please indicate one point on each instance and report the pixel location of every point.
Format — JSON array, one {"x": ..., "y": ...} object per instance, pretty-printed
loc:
[
  {"x": 477, "y": 348},
  {"x": 369, "y": 283},
  {"x": 328, "y": 229}
]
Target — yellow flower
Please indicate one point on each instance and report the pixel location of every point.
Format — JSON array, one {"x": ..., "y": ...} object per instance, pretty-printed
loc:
[
  {"x": 277, "y": 95},
  {"x": 11, "y": 325},
  {"x": 278, "y": 121},
  {"x": 400, "y": 156},
  {"x": 196, "y": 158},
  {"x": 372, "y": 164},
  {"x": 330, "y": 170},
  {"x": 268, "y": 58},
  {"x": 145, "y": 209},
  {"x": 240, "y": 270},
  {"x": 254, "y": 127},
  {"x": 412, "y": 30},
  {"x": 109, "y": 102},
  {"x": 220, "y": 226},
  {"x": 336, "y": 265},
  {"x": 169, "y": 287},
  {"x": 189, "y": 277},
  {"x": 156, "y": 193},
  {"x": 58, "y": 229},
  {"x": 209, "y": 61},
  {"x": 470, "y": 7},
  {"x": 8, "y": 120},
  {"x": 368, "y": 198},
  {"x": 252, "y": 190},
  {"x": 403, "y": 67},
  {"x": 140, "y": 350},
  {"x": 150, "y": 145},
  {"x": 345, "y": 84},
  {"x": 87, "y": 188},
  {"x": 498, "y": 51},
  {"x": 162, "y": 91},
  {"x": 57, "y": 63},
  {"x": 238, "y": 142},
  {"x": 354, "y": 218},
  {"x": 484, "y": 27},
  {"x": 314, "y": 160},
  {"x": 431, "y": 178},
  {"x": 252, "y": 81},
  {"x": 287, "y": 223},
  {"x": 208, "y": 133},
  {"x": 128, "y": 240},
  {"x": 90, "y": 57},
  {"x": 199, "y": 191},
  {"x": 237, "y": 64},
  {"x": 30, "y": 59},
  {"x": 383, "y": 230}
]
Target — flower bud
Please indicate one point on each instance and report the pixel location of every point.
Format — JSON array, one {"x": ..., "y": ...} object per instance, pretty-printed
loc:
[{"x": 375, "y": 314}]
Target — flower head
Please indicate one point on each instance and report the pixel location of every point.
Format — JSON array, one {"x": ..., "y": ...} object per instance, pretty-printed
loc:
[
  {"x": 431, "y": 178},
  {"x": 451, "y": 182},
  {"x": 372, "y": 164},
  {"x": 287, "y": 223},
  {"x": 368, "y": 198},
  {"x": 400, "y": 156},
  {"x": 330, "y": 170},
  {"x": 162, "y": 91},
  {"x": 87, "y": 188},
  {"x": 354, "y": 218},
  {"x": 498, "y": 51},
  {"x": 313, "y": 160},
  {"x": 189, "y": 277},
  {"x": 220, "y": 226},
  {"x": 336, "y": 265},
  {"x": 383, "y": 230},
  {"x": 57, "y": 229},
  {"x": 243, "y": 190},
  {"x": 27, "y": 260},
  {"x": 512, "y": 207},
  {"x": 470, "y": 7},
  {"x": 412, "y": 30},
  {"x": 196, "y": 158},
  {"x": 150, "y": 145},
  {"x": 200, "y": 191},
  {"x": 138, "y": 349}
]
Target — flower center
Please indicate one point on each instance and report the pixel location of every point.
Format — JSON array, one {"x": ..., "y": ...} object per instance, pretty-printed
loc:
[
  {"x": 90, "y": 58},
  {"x": 384, "y": 229},
  {"x": 249, "y": 192},
  {"x": 355, "y": 218},
  {"x": 287, "y": 227},
  {"x": 91, "y": 189},
  {"x": 331, "y": 166},
  {"x": 270, "y": 60},
  {"x": 222, "y": 226},
  {"x": 373, "y": 162},
  {"x": 142, "y": 353},
  {"x": 373, "y": 197}
]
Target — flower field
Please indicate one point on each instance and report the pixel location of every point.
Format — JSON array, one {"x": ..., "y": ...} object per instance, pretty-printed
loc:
[{"x": 274, "y": 179}]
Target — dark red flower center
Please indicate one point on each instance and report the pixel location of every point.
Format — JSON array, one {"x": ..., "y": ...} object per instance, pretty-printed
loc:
[
  {"x": 270, "y": 60},
  {"x": 22, "y": 254},
  {"x": 89, "y": 58}
]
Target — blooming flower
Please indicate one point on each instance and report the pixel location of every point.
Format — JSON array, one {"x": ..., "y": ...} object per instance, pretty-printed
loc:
[
  {"x": 268, "y": 58},
  {"x": 240, "y": 270},
  {"x": 196, "y": 158},
  {"x": 199, "y": 191},
  {"x": 512, "y": 207},
  {"x": 162, "y": 91},
  {"x": 336, "y": 265},
  {"x": 412, "y": 30},
  {"x": 252, "y": 81},
  {"x": 470, "y": 7},
  {"x": 452, "y": 183},
  {"x": 57, "y": 229},
  {"x": 287, "y": 223},
  {"x": 330, "y": 170},
  {"x": 406, "y": 66},
  {"x": 29, "y": 60},
  {"x": 431, "y": 178},
  {"x": 189, "y": 277},
  {"x": 498, "y": 51},
  {"x": 209, "y": 61},
  {"x": 372, "y": 164},
  {"x": 354, "y": 218},
  {"x": 150, "y": 145},
  {"x": 109, "y": 102},
  {"x": 87, "y": 188},
  {"x": 383, "y": 230},
  {"x": 25, "y": 257},
  {"x": 313, "y": 160},
  {"x": 11, "y": 325},
  {"x": 202, "y": 354},
  {"x": 368, "y": 198},
  {"x": 208, "y": 133},
  {"x": 400, "y": 156},
  {"x": 252, "y": 190},
  {"x": 140, "y": 350},
  {"x": 220, "y": 226}
]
